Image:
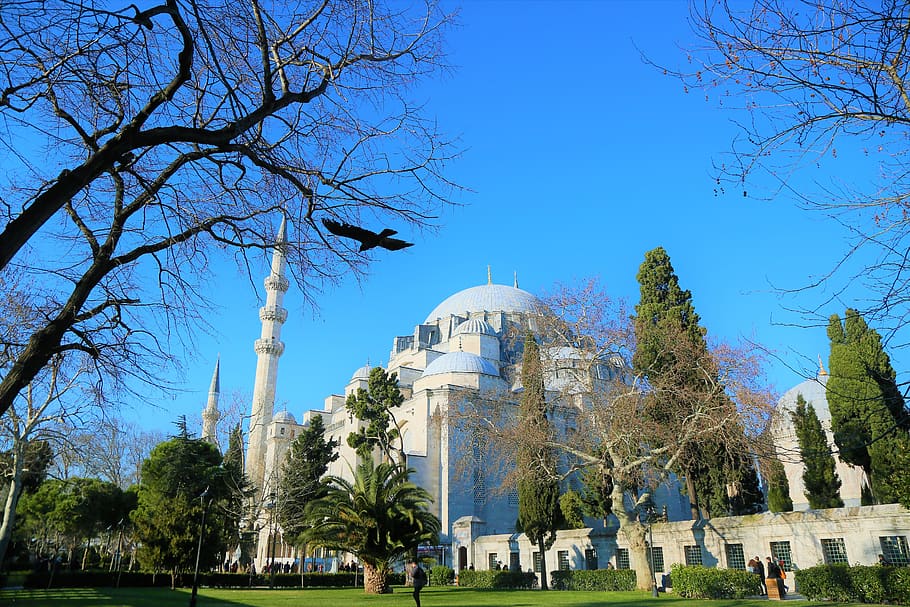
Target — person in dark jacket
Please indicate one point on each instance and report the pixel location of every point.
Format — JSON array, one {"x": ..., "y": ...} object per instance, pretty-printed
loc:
[
  {"x": 419, "y": 579},
  {"x": 760, "y": 571}
]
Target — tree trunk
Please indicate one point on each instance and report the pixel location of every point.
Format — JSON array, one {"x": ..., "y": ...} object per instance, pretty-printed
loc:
[
  {"x": 375, "y": 579},
  {"x": 543, "y": 565},
  {"x": 9, "y": 507},
  {"x": 634, "y": 531},
  {"x": 693, "y": 498}
]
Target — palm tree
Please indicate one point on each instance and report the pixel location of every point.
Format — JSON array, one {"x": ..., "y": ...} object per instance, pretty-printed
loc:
[{"x": 379, "y": 517}]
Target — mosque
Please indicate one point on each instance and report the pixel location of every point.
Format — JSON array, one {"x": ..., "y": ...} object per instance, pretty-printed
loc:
[{"x": 471, "y": 343}]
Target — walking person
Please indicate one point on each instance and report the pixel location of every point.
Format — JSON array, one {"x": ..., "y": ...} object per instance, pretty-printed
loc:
[
  {"x": 419, "y": 578},
  {"x": 760, "y": 570}
]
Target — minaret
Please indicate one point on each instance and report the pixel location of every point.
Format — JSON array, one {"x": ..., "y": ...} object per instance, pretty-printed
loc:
[
  {"x": 211, "y": 414},
  {"x": 269, "y": 349}
]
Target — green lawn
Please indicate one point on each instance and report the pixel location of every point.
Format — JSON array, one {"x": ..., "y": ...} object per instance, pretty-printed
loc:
[{"x": 430, "y": 597}]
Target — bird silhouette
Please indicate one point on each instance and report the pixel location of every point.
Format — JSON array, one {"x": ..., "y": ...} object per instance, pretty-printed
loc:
[{"x": 367, "y": 238}]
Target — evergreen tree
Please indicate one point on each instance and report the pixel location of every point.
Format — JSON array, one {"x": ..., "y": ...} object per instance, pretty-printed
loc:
[
  {"x": 778, "y": 488},
  {"x": 538, "y": 490},
  {"x": 820, "y": 476},
  {"x": 306, "y": 462},
  {"x": 868, "y": 414},
  {"x": 239, "y": 488},
  {"x": 376, "y": 407},
  {"x": 665, "y": 313},
  {"x": 571, "y": 508}
]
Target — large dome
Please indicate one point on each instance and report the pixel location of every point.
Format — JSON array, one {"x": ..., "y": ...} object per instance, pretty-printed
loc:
[
  {"x": 485, "y": 298},
  {"x": 460, "y": 362}
]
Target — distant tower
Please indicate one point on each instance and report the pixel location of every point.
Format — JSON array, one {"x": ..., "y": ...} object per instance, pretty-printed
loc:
[
  {"x": 211, "y": 414},
  {"x": 269, "y": 349}
]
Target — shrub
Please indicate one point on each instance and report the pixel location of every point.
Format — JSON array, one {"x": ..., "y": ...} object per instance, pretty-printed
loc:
[
  {"x": 440, "y": 575},
  {"x": 711, "y": 583},
  {"x": 491, "y": 580},
  {"x": 600, "y": 579},
  {"x": 860, "y": 584}
]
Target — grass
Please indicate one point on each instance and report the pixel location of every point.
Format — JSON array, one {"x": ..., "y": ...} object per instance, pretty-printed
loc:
[{"x": 430, "y": 597}]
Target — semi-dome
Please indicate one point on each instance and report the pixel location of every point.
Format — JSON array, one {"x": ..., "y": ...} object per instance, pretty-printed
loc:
[
  {"x": 284, "y": 417},
  {"x": 474, "y": 325},
  {"x": 362, "y": 373},
  {"x": 460, "y": 362},
  {"x": 485, "y": 298}
]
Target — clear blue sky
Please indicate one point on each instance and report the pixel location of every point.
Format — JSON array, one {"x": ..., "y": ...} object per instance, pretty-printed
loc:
[{"x": 579, "y": 157}]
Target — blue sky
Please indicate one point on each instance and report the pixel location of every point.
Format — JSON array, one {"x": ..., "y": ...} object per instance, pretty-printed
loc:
[{"x": 578, "y": 157}]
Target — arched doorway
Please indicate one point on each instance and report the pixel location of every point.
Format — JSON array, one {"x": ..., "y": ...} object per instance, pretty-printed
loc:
[{"x": 462, "y": 558}]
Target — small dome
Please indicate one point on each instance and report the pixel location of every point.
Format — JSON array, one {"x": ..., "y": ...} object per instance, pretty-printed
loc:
[
  {"x": 460, "y": 362},
  {"x": 362, "y": 373},
  {"x": 474, "y": 325},
  {"x": 485, "y": 298},
  {"x": 283, "y": 417}
]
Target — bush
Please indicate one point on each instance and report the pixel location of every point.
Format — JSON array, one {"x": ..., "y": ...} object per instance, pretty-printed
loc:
[
  {"x": 860, "y": 584},
  {"x": 495, "y": 580},
  {"x": 711, "y": 583},
  {"x": 600, "y": 579},
  {"x": 440, "y": 575}
]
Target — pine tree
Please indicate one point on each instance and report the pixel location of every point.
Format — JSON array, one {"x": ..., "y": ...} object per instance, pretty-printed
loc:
[
  {"x": 665, "y": 313},
  {"x": 868, "y": 414},
  {"x": 778, "y": 488},
  {"x": 376, "y": 406},
  {"x": 820, "y": 476},
  {"x": 538, "y": 490}
]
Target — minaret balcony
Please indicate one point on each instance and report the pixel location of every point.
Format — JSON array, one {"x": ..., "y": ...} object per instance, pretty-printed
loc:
[
  {"x": 273, "y": 314},
  {"x": 274, "y": 282},
  {"x": 269, "y": 346}
]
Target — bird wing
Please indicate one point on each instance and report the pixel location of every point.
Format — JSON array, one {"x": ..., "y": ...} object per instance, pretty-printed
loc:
[
  {"x": 394, "y": 244},
  {"x": 346, "y": 230}
]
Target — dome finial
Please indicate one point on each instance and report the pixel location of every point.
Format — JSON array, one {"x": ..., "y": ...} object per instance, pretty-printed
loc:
[
  {"x": 821, "y": 367},
  {"x": 489, "y": 275},
  {"x": 515, "y": 273}
]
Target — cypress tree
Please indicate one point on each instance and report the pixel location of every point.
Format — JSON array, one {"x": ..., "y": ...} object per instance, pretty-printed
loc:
[
  {"x": 868, "y": 414},
  {"x": 665, "y": 313},
  {"x": 778, "y": 488},
  {"x": 538, "y": 491},
  {"x": 820, "y": 475}
]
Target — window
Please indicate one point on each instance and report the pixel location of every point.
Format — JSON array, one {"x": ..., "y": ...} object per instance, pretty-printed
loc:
[
  {"x": 514, "y": 562},
  {"x": 480, "y": 483},
  {"x": 537, "y": 564},
  {"x": 513, "y": 497},
  {"x": 894, "y": 549},
  {"x": 282, "y": 432},
  {"x": 622, "y": 558},
  {"x": 693, "y": 555},
  {"x": 736, "y": 559},
  {"x": 657, "y": 556},
  {"x": 492, "y": 560},
  {"x": 780, "y": 551},
  {"x": 562, "y": 559},
  {"x": 834, "y": 551},
  {"x": 590, "y": 559}
]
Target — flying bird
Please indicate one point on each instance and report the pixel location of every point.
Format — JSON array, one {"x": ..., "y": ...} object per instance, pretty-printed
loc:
[{"x": 367, "y": 238}]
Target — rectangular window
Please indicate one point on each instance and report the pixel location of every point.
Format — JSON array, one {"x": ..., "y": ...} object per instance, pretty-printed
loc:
[
  {"x": 492, "y": 560},
  {"x": 537, "y": 564},
  {"x": 834, "y": 551},
  {"x": 622, "y": 558},
  {"x": 780, "y": 551},
  {"x": 894, "y": 549},
  {"x": 590, "y": 559},
  {"x": 736, "y": 559},
  {"x": 693, "y": 555},
  {"x": 657, "y": 556},
  {"x": 514, "y": 562},
  {"x": 562, "y": 559}
]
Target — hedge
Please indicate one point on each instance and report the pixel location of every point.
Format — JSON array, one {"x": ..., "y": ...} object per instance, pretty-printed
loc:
[
  {"x": 440, "y": 575},
  {"x": 711, "y": 583},
  {"x": 600, "y": 579},
  {"x": 495, "y": 580},
  {"x": 135, "y": 579},
  {"x": 859, "y": 584}
]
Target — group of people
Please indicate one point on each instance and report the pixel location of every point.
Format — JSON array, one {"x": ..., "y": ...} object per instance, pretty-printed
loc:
[{"x": 771, "y": 570}]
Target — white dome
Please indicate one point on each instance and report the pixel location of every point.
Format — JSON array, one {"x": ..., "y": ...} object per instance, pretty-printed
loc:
[
  {"x": 283, "y": 417},
  {"x": 485, "y": 298},
  {"x": 474, "y": 325},
  {"x": 460, "y": 362},
  {"x": 813, "y": 392}
]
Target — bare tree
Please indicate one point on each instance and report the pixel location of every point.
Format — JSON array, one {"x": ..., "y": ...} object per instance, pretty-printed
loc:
[
  {"x": 632, "y": 432},
  {"x": 141, "y": 145},
  {"x": 821, "y": 85}
]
